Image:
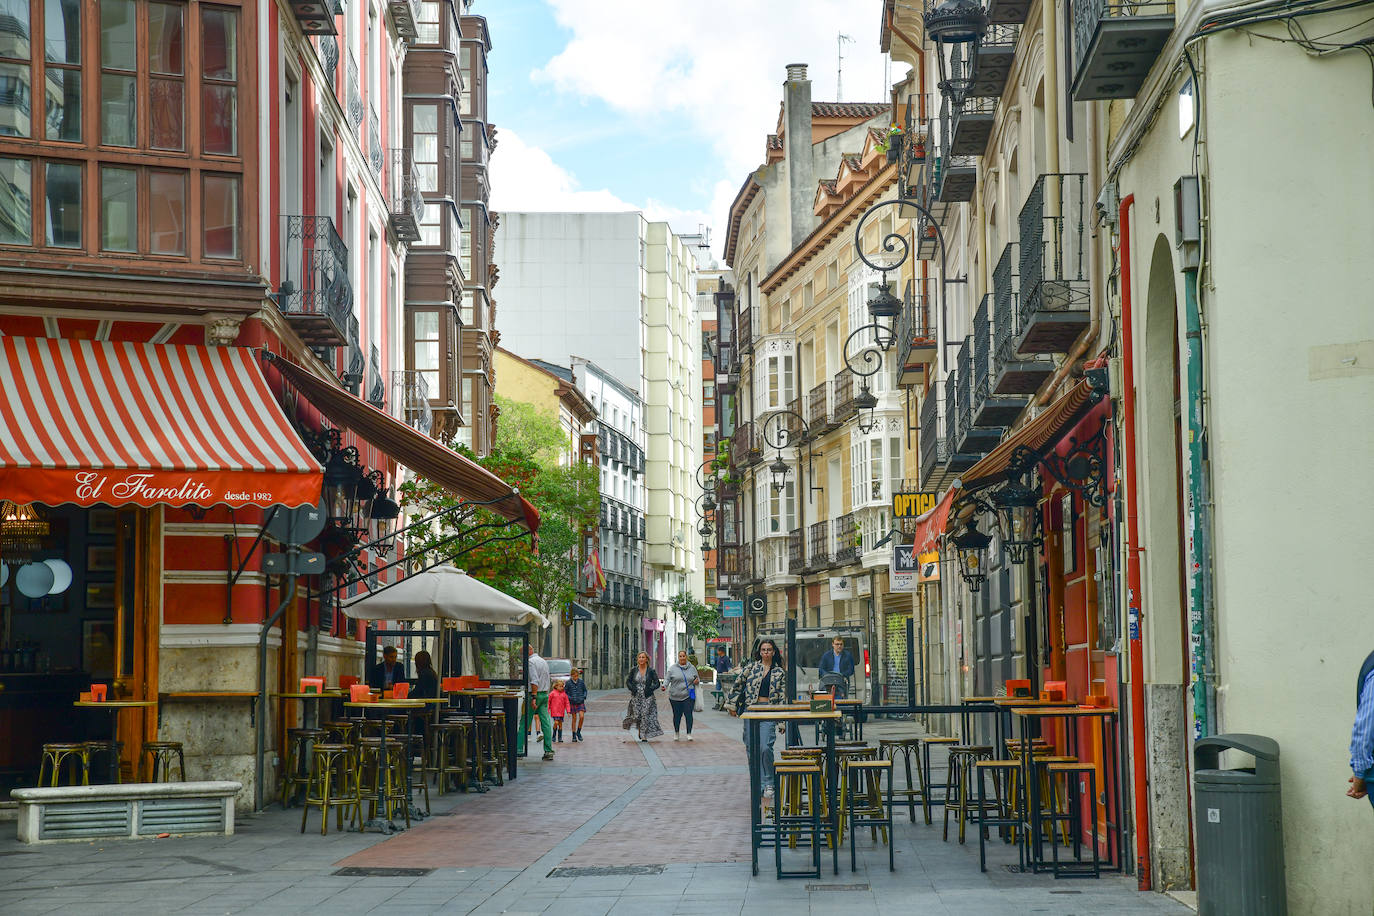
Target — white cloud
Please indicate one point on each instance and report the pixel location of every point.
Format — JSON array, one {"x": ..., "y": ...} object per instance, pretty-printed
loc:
[
  {"x": 524, "y": 177},
  {"x": 716, "y": 66}
]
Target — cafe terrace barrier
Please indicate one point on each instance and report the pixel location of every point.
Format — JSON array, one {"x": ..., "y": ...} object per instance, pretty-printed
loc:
[{"x": 132, "y": 810}]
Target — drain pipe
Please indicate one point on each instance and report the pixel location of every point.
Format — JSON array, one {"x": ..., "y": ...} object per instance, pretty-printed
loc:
[
  {"x": 262, "y": 691},
  {"x": 1199, "y": 521},
  {"x": 1138, "y": 771}
]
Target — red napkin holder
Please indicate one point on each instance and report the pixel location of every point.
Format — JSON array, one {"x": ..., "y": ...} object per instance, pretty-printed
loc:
[
  {"x": 449, "y": 684},
  {"x": 346, "y": 681},
  {"x": 99, "y": 692},
  {"x": 312, "y": 685},
  {"x": 1055, "y": 690},
  {"x": 360, "y": 693},
  {"x": 400, "y": 690},
  {"x": 1019, "y": 687}
]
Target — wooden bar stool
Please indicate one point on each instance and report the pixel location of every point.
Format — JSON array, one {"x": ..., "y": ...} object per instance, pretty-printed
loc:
[
  {"x": 389, "y": 795},
  {"x": 1006, "y": 776},
  {"x": 110, "y": 750},
  {"x": 490, "y": 730},
  {"x": 963, "y": 804},
  {"x": 1075, "y": 776},
  {"x": 1051, "y": 804},
  {"x": 888, "y": 749},
  {"x": 156, "y": 761},
  {"x": 294, "y": 771},
  {"x": 55, "y": 756},
  {"x": 332, "y": 783},
  {"x": 448, "y": 745},
  {"x": 799, "y": 813},
  {"x": 875, "y": 812}
]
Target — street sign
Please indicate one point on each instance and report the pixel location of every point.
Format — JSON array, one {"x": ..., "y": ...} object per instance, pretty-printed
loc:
[
  {"x": 295, "y": 526},
  {"x": 732, "y": 608}
]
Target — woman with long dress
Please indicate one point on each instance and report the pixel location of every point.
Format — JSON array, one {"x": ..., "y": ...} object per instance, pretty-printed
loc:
[{"x": 642, "y": 682}]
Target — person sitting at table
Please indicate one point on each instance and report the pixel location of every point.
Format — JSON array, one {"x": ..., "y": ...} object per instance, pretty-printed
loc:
[
  {"x": 426, "y": 685},
  {"x": 763, "y": 680},
  {"x": 388, "y": 672},
  {"x": 838, "y": 661}
]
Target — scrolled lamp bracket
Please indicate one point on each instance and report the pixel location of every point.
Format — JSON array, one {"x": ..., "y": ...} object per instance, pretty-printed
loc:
[
  {"x": 1082, "y": 468},
  {"x": 777, "y": 437}
]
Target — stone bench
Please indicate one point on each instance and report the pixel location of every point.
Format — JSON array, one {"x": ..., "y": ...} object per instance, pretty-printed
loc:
[{"x": 132, "y": 810}]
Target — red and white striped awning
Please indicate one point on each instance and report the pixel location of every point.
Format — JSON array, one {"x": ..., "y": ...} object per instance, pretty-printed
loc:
[{"x": 123, "y": 423}]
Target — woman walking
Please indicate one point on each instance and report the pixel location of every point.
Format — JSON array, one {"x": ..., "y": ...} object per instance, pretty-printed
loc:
[
  {"x": 642, "y": 682},
  {"x": 763, "y": 680},
  {"x": 682, "y": 686},
  {"x": 577, "y": 702}
]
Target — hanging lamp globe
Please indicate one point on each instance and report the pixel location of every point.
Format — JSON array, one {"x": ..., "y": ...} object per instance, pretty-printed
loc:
[
  {"x": 884, "y": 304},
  {"x": 956, "y": 22}
]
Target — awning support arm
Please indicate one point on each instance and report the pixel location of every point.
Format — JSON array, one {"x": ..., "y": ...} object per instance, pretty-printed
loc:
[
  {"x": 439, "y": 562},
  {"x": 231, "y": 541}
]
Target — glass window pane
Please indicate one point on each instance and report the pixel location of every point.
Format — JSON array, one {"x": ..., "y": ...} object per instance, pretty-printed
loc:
[
  {"x": 219, "y": 109},
  {"x": 165, "y": 38},
  {"x": 426, "y": 325},
  {"x": 221, "y": 216},
  {"x": 118, "y": 35},
  {"x": 62, "y": 26},
  {"x": 62, "y": 189},
  {"x": 428, "y": 26},
  {"x": 426, "y": 118},
  {"x": 427, "y": 358},
  {"x": 219, "y": 44},
  {"x": 16, "y": 202},
  {"x": 118, "y": 110},
  {"x": 165, "y": 112},
  {"x": 16, "y": 101},
  {"x": 167, "y": 212},
  {"x": 63, "y": 92},
  {"x": 431, "y": 230},
  {"x": 118, "y": 209},
  {"x": 14, "y": 37}
]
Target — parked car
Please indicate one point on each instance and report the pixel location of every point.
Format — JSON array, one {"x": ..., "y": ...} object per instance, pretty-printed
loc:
[{"x": 560, "y": 669}]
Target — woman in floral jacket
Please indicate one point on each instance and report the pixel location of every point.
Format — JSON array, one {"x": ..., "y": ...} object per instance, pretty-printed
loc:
[{"x": 763, "y": 680}]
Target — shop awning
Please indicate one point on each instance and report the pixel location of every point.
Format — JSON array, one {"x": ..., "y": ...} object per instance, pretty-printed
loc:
[
  {"x": 930, "y": 525},
  {"x": 1059, "y": 416},
  {"x": 580, "y": 612},
  {"x": 459, "y": 475},
  {"x": 122, "y": 423},
  {"x": 443, "y": 593}
]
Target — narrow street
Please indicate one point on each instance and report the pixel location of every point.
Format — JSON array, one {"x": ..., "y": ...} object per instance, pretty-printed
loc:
[{"x": 608, "y": 827}]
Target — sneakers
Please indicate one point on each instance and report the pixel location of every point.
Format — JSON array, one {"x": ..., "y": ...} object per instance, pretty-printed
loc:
[
  {"x": 767, "y": 791},
  {"x": 689, "y": 736},
  {"x": 676, "y": 738},
  {"x": 548, "y": 756}
]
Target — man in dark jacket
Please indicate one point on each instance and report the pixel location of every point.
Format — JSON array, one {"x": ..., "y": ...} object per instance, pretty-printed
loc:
[
  {"x": 388, "y": 672},
  {"x": 838, "y": 660}
]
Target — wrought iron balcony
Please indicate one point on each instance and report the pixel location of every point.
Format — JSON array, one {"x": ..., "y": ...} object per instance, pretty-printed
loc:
[
  {"x": 1055, "y": 306},
  {"x": 407, "y": 203},
  {"x": 328, "y": 51},
  {"x": 376, "y": 388},
  {"x": 972, "y": 128},
  {"x": 916, "y": 345},
  {"x": 846, "y": 533},
  {"x": 316, "y": 295},
  {"x": 354, "y": 105},
  {"x": 728, "y": 567},
  {"x": 968, "y": 442},
  {"x": 413, "y": 393},
  {"x": 842, "y": 396},
  {"x": 375, "y": 154},
  {"x": 1012, "y": 372},
  {"x": 746, "y": 331},
  {"x": 818, "y": 409},
  {"x": 990, "y": 409},
  {"x": 934, "y": 445},
  {"x": 1007, "y": 11},
  {"x": 796, "y": 561},
  {"x": 1116, "y": 44},
  {"x": 953, "y": 175},
  {"x": 356, "y": 366},
  {"x": 795, "y": 425},
  {"x": 818, "y": 546},
  {"x": 316, "y": 17},
  {"x": 991, "y": 65},
  {"x": 405, "y": 15},
  {"x": 739, "y": 446}
]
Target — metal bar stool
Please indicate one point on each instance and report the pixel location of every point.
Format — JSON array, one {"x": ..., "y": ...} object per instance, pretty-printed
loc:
[
  {"x": 804, "y": 818},
  {"x": 1008, "y": 814},
  {"x": 448, "y": 745},
  {"x": 158, "y": 757},
  {"x": 295, "y": 773},
  {"x": 55, "y": 756},
  {"x": 394, "y": 793},
  {"x": 332, "y": 783},
  {"x": 962, "y": 758},
  {"x": 1075, "y": 774},
  {"x": 876, "y": 811},
  {"x": 111, "y": 748},
  {"x": 889, "y": 748},
  {"x": 928, "y": 742}
]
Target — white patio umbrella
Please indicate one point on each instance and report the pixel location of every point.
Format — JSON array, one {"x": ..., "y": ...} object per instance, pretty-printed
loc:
[{"x": 443, "y": 592}]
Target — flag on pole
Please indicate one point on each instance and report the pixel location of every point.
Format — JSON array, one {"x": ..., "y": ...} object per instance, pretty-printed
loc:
[{"x": 596, "y": 576}]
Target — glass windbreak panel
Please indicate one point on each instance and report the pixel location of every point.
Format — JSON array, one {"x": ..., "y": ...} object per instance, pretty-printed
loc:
[
  {"x": 61, "y": 27},
  {"x": 498, "y": 656},
  {"x": 62, "y": 90},
  {"x": 16, "y": 202},
  {"x": 118, "y": 209},
  {"x": 167, "y": 212},
  {"x": 221, "y": 216},
  {"x": 62, "y": 193}
]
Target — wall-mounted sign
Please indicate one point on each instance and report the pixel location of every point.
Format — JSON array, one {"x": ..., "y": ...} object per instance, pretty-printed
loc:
[
  {"x": 910, "y": 505},
  {"x": 757, "y": 603},
  {"x": 841, "y": 587},
  {"x": 732, "y": 608},
  {"x": 928, "y": 567}
]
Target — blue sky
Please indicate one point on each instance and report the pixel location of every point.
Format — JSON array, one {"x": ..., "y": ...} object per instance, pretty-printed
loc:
[{"x": 664, "y": 107}]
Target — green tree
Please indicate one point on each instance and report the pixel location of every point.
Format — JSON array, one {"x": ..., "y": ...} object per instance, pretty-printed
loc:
[
  {"x": 702, "y": 620},
  {"x": 529, "y": 445}
]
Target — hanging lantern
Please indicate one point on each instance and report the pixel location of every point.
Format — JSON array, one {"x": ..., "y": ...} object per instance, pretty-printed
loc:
[
  {"x": 779, "y": 470},
  {"x": 957, "y": 28},
  {"x": 22, "y": 530},
  {"x": 969, "y": 546},
  {"x": 382, "y": 517}
]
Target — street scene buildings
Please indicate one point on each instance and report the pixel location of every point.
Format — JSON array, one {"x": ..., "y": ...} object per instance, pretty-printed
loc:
[{"x": 1017, "y": 410}]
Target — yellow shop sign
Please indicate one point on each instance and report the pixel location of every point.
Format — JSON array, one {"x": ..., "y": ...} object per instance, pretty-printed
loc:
[{"x": 910, "y": 505}]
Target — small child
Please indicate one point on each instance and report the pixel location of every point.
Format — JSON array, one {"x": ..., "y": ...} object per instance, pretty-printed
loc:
[
  {"x": 577, "y": 699},
  {"x": 558, "y": 708}
]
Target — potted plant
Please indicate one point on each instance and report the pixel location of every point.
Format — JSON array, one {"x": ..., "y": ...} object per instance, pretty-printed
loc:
[
  {"x": 891, "y": 144},
  {"x": 918, "y": 149}
]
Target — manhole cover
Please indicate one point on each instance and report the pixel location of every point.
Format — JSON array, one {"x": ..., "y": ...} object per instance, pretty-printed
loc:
[
  {"x": 352, "y": 872},
  {"x": 837, "y": 887},
  {"x": 600, "y": 871}
]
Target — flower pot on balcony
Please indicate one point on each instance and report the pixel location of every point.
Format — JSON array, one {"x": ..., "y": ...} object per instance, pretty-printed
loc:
[
  {"x": 918, "y": 151},
  {"x": 930, "y": 232}
]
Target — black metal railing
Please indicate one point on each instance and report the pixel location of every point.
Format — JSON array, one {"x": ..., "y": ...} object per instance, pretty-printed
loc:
[
  {"x": 375, "y": 154},
  {"x": 746, "y": 330},
  {"x": 913, "y": 325},
  {"x": 413, "y": 390},
  {"x": 376, "y": 387},
  {"x": 1101, "y": 29},
  {"x": 355, "y": 95},
  {"x": 934, "y": 446},
  {"x": 406, "y": 202},
  {"x": 963, "y": 394},
  {"x": 946, "y": 160},
  {"x": 796, "y": 425},
  {"x": 796, "y": 561},
  {"x": 818, "y": 545},
  {"x": 846, "y": 539},
  {"x": 817, "y": 408},
  {"x": 1054, "y": 245},
  {"x": 1004, "y": 306},
  {"x": 328, "y": 51},
  {"x": 842, "y": 395},
  {"x": 355, "y": 368},
  {"x": 316, "y": 293},
  {"x": 980, "y": 359}
]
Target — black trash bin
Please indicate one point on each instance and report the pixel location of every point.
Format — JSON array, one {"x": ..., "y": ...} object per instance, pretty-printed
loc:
[{"x": 1239, "y": 829}]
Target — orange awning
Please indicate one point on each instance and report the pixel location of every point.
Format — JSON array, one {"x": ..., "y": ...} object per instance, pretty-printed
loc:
[
  {"x": 1062, "y": 413},
  {"x": 930, "y": 525},
  {"x": 459, "y": 475},
  {"x": 122, "y": 423}
]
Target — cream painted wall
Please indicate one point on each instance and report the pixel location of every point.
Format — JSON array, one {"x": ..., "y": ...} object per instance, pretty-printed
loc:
[{"x": 1291, "y": 426}]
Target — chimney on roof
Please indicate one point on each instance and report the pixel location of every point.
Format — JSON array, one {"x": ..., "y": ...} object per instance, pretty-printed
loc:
[{"x": 801, "y": 176}]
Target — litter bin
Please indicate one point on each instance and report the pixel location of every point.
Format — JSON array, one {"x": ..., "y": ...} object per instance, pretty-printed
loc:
[{"x": 1239, "y": 829}]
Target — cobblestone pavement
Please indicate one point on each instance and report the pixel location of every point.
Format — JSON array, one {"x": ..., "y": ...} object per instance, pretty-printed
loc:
[{"x": 607, "y": 827}]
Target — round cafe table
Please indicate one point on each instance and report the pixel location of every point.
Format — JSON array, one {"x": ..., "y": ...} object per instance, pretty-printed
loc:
[
  {"x": 383, "y": 762},
  {"x": 113, "y": 707}
]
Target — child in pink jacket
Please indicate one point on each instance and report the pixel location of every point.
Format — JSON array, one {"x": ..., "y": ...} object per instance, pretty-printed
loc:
[{"x": 558, "y": 708}]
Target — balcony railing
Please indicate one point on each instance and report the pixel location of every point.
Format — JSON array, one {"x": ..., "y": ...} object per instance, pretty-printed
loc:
[
  {"x": 796, "y": 561},
  {"x": 968, "y": 440},
  {"x": 972, "y": 126},
  {"x": 355, "y": 95},
  {"x": 356, "y": 366},
  {"x": 842, "y": 396},
  {"x": 818, "y": 408},
  {"x": 934, "y": 445},
  {"x": 376, "y": 388},
  {"x": 728, "y": 567},
  {"x": 407, "y": 203},
  {"x": 405, "y": 15},
  {"x": 413, "y": 394},
  {"x": 990, "y": 408},
  {"x": 992, "y": 64},
  {"x": 916, "y": 344},
  {"x": 846, "y": 539},
  {"x": 746, "y": 330},
  {"x": 794, "y": 420},
  {"x": 316, "y": 295},
  {"x": 375, "y": 154},
  {"x": 1116, "y": 44},
  {"x": 316, "y": 17},
  {"x": 954, "y": 175},
  {"x": 328, "y": 50},
  {"x": 1054, "y": 307},
  {"x": 1007, "y": 11},
  {"x": 1013, "y": 372},
  {"x": 739, "y": 446},
  {"x": 818, "y": 545}
]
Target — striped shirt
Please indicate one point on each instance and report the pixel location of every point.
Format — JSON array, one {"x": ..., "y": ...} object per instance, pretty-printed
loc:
[{"x": 1362, "y": 736}]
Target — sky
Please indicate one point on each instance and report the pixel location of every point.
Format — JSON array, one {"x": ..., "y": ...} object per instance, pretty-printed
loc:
[{"x": 662, "y": 106}]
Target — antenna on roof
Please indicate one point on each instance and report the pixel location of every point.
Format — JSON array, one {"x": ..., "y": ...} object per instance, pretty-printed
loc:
[{"x": 840, "y": 39}]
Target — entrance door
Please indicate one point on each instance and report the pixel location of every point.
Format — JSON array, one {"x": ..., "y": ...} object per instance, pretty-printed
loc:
[{"x": 137, "y": 604}]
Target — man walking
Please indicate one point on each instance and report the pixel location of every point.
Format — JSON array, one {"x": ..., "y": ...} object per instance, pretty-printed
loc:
[
  {"x": 1362, "y": 736},
  {"x": 723, "y": 665},
  {"x": 539, "y": 700}
]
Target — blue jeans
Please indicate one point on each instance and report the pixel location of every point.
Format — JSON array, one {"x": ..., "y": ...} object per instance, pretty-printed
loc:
[{"x": 770, "y": 735}]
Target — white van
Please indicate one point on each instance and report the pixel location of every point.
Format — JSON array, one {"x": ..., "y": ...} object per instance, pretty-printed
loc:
[{"x": 812, "y": 643}]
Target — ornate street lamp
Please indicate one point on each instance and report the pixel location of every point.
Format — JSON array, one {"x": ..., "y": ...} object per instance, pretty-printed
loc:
[
  {"x": 866, "y": 402},
  {"x": 956, "y": 27},
  {"x": 1019, "y": 506},
  {"x": 779, "y": 471},
  {"x": 382, "y": 516},
  {"x": 969, "y": 545}
]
